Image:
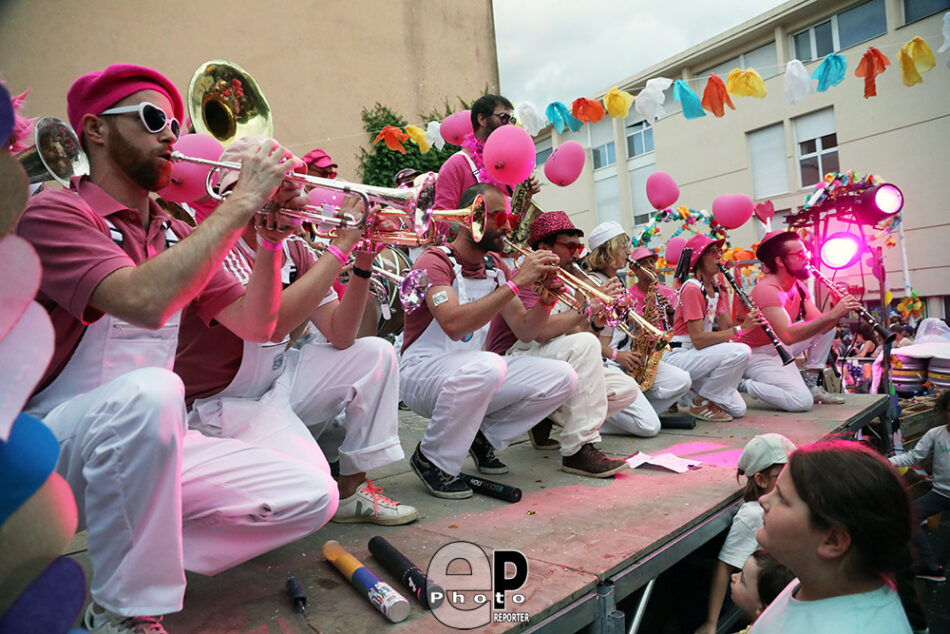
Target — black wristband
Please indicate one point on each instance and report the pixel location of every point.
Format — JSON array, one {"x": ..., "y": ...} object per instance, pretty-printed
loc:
[
  {"x": 596, "y": 328},
  {"x": 358, "y": 272}
]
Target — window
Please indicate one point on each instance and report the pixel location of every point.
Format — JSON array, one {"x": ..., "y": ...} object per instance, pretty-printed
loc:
[
  {"x": 768, "y": 161},
  {"x": 602, "y": 146},
  {"x": 642, "y": 209},
  {"x": 917, "y": 9},
  {"x": 542, "y": 150},
  {"x": 816, "y": 146},
  {"x": 763, "y": 59},
  {"x": 639, "y": 138},
  {"x": 608, "y": 199},
  {"x": 857, "y": 24}
]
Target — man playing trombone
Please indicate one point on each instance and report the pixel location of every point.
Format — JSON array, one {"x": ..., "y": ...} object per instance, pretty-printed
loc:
[
  {"x": 269, "y": 393},
  {"x": 568, "y": 336},
  {"x": 477, "y": 401},
  {"x": 787, "y": 306}
]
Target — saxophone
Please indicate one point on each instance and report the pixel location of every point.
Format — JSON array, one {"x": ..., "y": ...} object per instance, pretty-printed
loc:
[
  {"x": 645, "y": 343},
  {"x": 526, "y": 210}
]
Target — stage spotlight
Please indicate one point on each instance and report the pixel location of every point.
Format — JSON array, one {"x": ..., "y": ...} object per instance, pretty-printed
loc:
[
  {"x": 840, "y": 250},
  {"x": 878, "y": 203}
]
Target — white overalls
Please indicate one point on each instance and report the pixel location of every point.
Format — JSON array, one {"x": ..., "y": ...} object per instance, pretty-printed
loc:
[
  {"x": 158, "y": 499},
  {"x": 277, "y": 394},
  {"x": 715, "y": 370},
  {"x": 463, "y": 388},
  {"x": 782, "y": 386}
]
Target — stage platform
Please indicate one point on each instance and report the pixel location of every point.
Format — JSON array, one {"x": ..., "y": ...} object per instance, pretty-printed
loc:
[{"x": 589, "y": 543}]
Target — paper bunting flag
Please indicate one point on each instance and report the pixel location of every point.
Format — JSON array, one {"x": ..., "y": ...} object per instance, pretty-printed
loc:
[
  {"x": 649, "y": 102},
  {"x": 715, "y": 96},
  {"x": 418, "y": 136},
  {"x": 559, "y": 116},
  {"x": 797, "y": 82},
  {"x": 618, "y": 103},
  {"x": 434, "y": 134},
  {"x": 830, "y": 72},
  {"x": 915, "y": 58},
  {"x": 394, "y": 138},
  {"x": 529, "y": 118},
  {"x": 745, "y": 83},
  {"x": 692, "y": 108},
  {"x": 872, "y": 64},
  {"x": 946, "y": 36},
  {"x": 588, "y": 110}
]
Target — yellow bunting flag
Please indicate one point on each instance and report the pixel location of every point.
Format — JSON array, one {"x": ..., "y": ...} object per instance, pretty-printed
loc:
[{"x": 745, "y": 83}]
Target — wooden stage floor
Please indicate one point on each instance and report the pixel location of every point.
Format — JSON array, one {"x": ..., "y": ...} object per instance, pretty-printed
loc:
[{"x": 576, "y": 532}]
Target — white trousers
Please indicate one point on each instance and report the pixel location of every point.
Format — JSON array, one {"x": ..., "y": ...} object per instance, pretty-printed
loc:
[
  {"x": 582, "y": 414},
  {"x": 637, "y": 418},
  {"x": 782, "y": 386},
  {"x": 642, "y": 417},
  {"x": 467, "y": 390},
  {"x": 362, "y": 381},
  {"x": 158, "y": 500},
  {"x": 715, "y": 371}
]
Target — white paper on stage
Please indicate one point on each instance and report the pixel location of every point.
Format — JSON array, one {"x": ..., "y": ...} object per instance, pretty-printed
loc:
[{"x": 664, "y": 460}]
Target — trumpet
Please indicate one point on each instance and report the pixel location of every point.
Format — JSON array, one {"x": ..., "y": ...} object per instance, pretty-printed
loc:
[
  {"x": 886, "y": 335},
  {"x": 750, "y": 306}
]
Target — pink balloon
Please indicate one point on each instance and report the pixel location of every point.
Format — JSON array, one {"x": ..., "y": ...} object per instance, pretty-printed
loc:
[
  {"x": 456, "y": 127},
  {"x": 673, "y": 249},
  {"x": 509, "y": 155},
  {"x": 565, "y": 164},
  {"x": 765, "y": 211},
  {"x": 732, "y": 210},
  {"x": 188, "y": 179},
  {"x": 662, "y": 190}
]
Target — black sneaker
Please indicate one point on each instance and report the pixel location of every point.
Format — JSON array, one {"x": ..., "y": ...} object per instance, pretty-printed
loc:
[
  {"x": 588, "y": 461},
  {"x": 484, "y": 456},
  {"x": 540, "y": 435},
  {"x": 937, "y": 574},
  {"x": 436, "y": 481}
]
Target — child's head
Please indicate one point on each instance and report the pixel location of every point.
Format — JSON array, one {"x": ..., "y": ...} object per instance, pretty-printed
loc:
[
  {"x": 761, "y": 579},
  {"x": 942, "y": 406},
  {"x": 838, "y": 503},
  {"x": 761, "y": 461}
]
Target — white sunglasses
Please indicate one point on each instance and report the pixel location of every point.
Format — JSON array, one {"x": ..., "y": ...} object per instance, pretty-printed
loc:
[{"x": 153, "y": 118}]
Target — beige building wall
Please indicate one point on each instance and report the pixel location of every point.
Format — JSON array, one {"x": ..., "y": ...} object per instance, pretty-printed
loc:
[
  {"x": 317, "y": 62},
  {"x": 902, "y": 135}
]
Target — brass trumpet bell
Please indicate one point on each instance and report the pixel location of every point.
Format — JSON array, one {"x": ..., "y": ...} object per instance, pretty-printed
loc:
[
  {"x": 55, "y": 154},
  {"x": 472, "y": 217},
  {"x": 225, "y": 102}
]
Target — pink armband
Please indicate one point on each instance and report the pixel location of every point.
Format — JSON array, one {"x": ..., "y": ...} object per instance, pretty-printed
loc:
[
  {"x": 514, "y": 287},
  {"x": 338, "y": 254},
  {"x": 264, "y": 243},
  {"x": 613, "y": 355}
]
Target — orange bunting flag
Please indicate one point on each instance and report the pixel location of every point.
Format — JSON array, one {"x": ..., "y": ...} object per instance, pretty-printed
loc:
[
  {"x": 394, "y": 138},
  {"x": 872, "y": 65},
  {"x": 588, "y": 110},
  {"x": 715, "y": 96},
  {"x": 745, "y": 83},
  {"x": 915, "y": 58}
]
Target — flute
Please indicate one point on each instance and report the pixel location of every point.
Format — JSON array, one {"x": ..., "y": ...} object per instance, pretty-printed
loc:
[
  {"x": 750, "y": 306},
  {"x": 886, "y": 335}
]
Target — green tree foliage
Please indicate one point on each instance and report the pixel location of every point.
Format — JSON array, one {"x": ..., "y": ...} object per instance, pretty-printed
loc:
[{"x": 379, "y": 164}]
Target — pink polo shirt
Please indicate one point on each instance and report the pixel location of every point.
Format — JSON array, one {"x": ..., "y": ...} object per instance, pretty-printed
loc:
[
  {"x": 769, "y": 292},
  {"x": 69, "y": 232},
  {"x": 500, "y": 335},
  {"x": 692, "y": 305},
  {"x": 209, "y": 355},
  {"x": 639, "y": 297},
  {"x": 455, "y": 177}
]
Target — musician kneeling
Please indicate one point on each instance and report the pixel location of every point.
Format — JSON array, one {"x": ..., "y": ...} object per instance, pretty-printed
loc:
[
  {"x": 477, "y": 401},
  {"x": 786, "y": 304},
  {"x": 269, "y": 394},
  {"x": 601, "y": 392},
  {"x": 610, "y": 250},
  {"x": 715, "y": 362}
]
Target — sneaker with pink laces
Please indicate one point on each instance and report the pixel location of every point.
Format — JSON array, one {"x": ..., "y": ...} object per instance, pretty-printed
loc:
[
  {"x": 369, "y": 505},
  {"x": 704, "y": 409}
]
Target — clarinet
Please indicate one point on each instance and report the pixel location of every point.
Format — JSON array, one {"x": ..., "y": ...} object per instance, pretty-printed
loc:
[
  {"x": 886, "y": 335},
  {"x": 741, "y": 294}
]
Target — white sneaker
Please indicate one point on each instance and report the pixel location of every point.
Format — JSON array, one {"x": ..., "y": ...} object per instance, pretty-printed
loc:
[
  {"x": 820, "y": 395},
  {"x": 369, "y": 504},
  {"x": 109, "y": 623}
]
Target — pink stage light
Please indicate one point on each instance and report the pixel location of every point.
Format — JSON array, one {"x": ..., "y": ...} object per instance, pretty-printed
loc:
[
  {"x": 878, "y": 203},
  {"x": 841, "y": 250},
  {"x": 888, "y": 199}
]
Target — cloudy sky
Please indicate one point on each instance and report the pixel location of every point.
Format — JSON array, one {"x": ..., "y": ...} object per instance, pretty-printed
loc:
[{"x": 558, "y": 50}]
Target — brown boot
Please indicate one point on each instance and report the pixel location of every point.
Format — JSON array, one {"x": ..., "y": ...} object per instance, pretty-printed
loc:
[
  {"x": 540, "y": 435},
  {"x": 588, "y": 461}
]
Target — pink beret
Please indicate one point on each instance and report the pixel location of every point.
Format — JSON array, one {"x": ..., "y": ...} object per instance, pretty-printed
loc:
[
  {"x": 95, "y": 92},
  {"x": 319, "y": 158}
]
